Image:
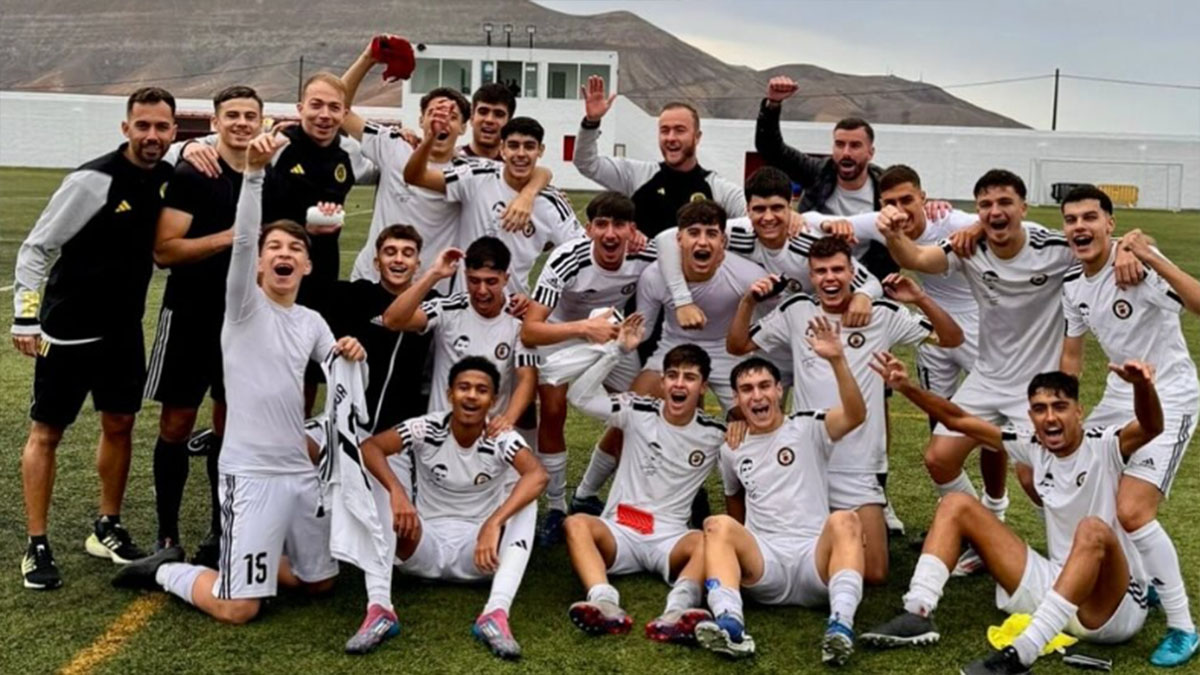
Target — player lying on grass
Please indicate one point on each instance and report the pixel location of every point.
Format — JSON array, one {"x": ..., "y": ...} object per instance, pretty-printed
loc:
[
  {"x": 862, "y": 455},
  {"x": 270, "y": 491},
  {"x": 1137, "y": 322},
  {"x": 779, "y": 540},
  {"x": 1092, "y": 584},
  {"x": 472, "y": 518},
  {"x": 670, "y": 449}
]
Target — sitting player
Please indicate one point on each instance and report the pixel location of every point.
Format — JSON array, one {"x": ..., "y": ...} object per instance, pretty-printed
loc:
[
  {"x": 469, "y": 521},
  {"x": 779, "y": 541},
  {"x": 1092, "y": 585},
  {"x": 270, "y": 491},
  {"x": 670, "y": 449}
]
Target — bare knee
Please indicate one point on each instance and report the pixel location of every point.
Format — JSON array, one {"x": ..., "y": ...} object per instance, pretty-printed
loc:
[
  {"x": 1092, "y": 534},
  {"x": 718, "y": 527},
  {"x": 114, "y": 425},
  {"x": 943, "y": 466},
  {"x": 236, "y": 612},
  {"x": 576, "y": 526},
  {"x": 845, "y": 525},
  {"x": 1134, "y": 514},
  {"x": 43, "y": 438},
  {"x": 176, "y": 424},
  {"x": 319, "y": 587},
  {"x": 875, "y": 572},
  {"x": 957, "y": 506}
]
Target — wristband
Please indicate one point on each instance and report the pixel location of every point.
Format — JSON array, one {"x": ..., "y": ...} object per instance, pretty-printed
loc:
[{"x": 589, "y": 124}]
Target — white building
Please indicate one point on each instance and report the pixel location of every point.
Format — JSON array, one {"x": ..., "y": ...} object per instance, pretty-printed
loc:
[{"x": 1164, "y": 169}]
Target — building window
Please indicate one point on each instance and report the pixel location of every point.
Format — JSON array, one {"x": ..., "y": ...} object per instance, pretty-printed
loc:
[
  {"x": 488, "y": 74},
  {"x": 508, "y": 73},
  {"x": 531, "y": 81},
  {"x": 456, "y": 74},
  {"x": 562, "y": 80},
  {"x": 586, "y": 70},
  {"x": 426, "y": 76},
  {"x": 618, "y": 150}
]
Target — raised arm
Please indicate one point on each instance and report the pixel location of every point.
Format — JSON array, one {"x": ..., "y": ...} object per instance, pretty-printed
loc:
[
  {"x": 739, "y": 341},
  {"x": 895, "y": 375},
  {"x": 1183, "y": 284},
  {"x": 587, "y": 391},
  {"x": 242, "y": 278},
  {"x": 352, "y": 78},
  {"x": 826, "y": 342},
  {"x": 1147, "y": 411},
  {"x": 768, "y": 139},
  {"x": 946, "y": 331},
  {"x": 907, "y": 253},
  {"x": 405, "y": 313},
  {"x": 417, "y": 171},
  {"x": 613, "y": 173}
]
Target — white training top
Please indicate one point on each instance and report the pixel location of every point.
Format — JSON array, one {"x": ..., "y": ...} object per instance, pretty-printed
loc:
[
  {"x": 452, "y": 481},
  {"x": 481, "y": 189},
  {"x": 458, "y": 331},
  {"x": 1077, "y": 486},
  {"x": 1020, "y": 310},
  {"x": 1140, "y": 322},
  {"x": 783, "y": 474},
  {"x": 398, "y": 203},
  {"x": 266, "y": 348},
  {"x": 863, "y": 450}
]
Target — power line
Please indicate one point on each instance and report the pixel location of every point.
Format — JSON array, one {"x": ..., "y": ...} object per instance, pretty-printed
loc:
[{"x": 1137, "y": 83}]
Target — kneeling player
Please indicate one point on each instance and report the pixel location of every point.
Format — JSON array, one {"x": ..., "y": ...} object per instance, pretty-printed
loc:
[
  {"x": 1092, "y": 585},
  {"x": 471, "y": 520},
  {"x": 779, "y": 540},
  {"x": 670, "y": 449}
]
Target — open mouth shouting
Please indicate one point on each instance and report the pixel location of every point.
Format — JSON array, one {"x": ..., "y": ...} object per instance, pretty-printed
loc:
[
  {"x": 702, "y": 255},
  {"x": 1080, "y": 241},
  {"x": 1053, "y": 435},
  {"x": 283, "y": 269}
]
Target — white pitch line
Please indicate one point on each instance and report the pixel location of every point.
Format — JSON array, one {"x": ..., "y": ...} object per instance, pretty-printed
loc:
[{"x": 6, "y": 289}]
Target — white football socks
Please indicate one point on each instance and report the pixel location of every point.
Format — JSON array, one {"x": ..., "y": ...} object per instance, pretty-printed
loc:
[
  {"x": 599, "y": 468},
  {"x": 379, "y": 590},
  {"x": 556, "y": 490},
  {"x": 1162, "y": 564},
  {"x": 1048, "y": 621},
  {"x": 998, "y": 507},
  {"x": 725, "y": 600},
  {"x": 604, "y": 592},
  {"x": 515, "y": 546},
  {"x": 685, "y": 594},
  {"x": 925, "y": 588},
  {"x": 178, "y": 579},
  {"x": 845, "y": 592},
  {"x": 960, "y": 484}
]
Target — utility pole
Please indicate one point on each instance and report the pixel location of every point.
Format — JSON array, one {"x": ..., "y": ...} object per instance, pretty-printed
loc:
[
  {"x": 300, "y": 80},
  {"x": 1054, "y": 114}
]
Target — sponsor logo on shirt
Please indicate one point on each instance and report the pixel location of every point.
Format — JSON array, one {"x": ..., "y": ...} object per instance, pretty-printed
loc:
[
  {"x": 1122, "y": 309},
  {"x": 123, "y": 207},
  {"x": 298, "y": 170}
]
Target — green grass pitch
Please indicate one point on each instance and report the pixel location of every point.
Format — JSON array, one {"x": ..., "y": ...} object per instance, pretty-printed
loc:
[{"x": 41, "y": 632}]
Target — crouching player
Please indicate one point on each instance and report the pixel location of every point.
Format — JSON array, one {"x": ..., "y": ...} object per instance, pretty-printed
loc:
[
  {"x": 1092, "y": 584},
  {"x": 779, "y": 541},
  {"x": 670, "y": 449},
  {"x": 471, "y": 521}
]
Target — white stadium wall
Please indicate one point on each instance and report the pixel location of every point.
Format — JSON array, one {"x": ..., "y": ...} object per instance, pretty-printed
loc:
[{"x": 64, "y": 130}]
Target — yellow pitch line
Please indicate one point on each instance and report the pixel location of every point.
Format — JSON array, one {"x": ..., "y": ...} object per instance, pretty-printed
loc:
[{"x": 135, "y": 616}]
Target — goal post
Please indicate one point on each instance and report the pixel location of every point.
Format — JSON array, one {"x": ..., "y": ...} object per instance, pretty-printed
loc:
[{"x": 1158, "y": 185}]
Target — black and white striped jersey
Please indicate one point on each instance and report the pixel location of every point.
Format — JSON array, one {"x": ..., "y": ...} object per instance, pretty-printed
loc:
[{"x": 572, "y": 283}]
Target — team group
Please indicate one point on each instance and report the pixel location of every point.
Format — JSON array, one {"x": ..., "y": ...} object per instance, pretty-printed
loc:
[{"x": 448, "y": 371}]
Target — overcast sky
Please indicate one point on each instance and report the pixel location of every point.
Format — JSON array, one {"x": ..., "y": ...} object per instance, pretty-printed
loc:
[{"x": 947, "y": 42}]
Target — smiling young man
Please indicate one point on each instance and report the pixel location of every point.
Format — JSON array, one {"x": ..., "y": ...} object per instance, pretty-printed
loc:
[
  {"x": 192, "y": 240},
  {"x": 85, "y": 328},
  {"x": 670, "y": 449},
  {"x": 270, "y": 492},
  {"x": 583, "y": 283},
  {"x": 1092, "y": 584},
  {"x": 862, "y": 455},
  {"x": 492, "y": 106},
  {"x": 485, "y": 190},
  {"x": 779, "y": 542},
  {"x": 1139, "y": 322},
  {"x": 469, "y": 519}
]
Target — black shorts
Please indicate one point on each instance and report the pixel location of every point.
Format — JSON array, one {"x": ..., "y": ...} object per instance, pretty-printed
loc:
[
  {"x": 112, "y": 369},
  {"x": 185, "y": 360}
]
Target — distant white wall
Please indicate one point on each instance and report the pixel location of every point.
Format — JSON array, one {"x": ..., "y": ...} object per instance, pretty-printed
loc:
[{"x": 65, "y": 130}]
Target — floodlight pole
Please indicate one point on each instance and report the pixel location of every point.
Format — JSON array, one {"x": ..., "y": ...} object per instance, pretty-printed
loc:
[
  {"x": 1054, "y": 114},
  {"x": 300, "y": 80}
]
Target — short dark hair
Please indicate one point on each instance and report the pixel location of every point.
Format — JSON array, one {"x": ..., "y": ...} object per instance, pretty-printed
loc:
[
  {"x": 769, "y": 182},
  {"x": 526, "y": 126},
  {"x": 896, "y": 175},
  {"x": 489, "y": 253},
  {"x": 150, "y": 96},
  {"x": 236, "y": 91},
  {"x": 754, "y": 364},
  {"x": 677, "y": 105},
  {"x": 612, "y": 205},
  {"x": 1055, "y": 382},
  {"x": 475, "y": 363},
  {"x": 702, "y": 211},
  {"x": 852, "y": 123},
  {"x": 1000, "y": 178},
  {"x": 405, "y": 232},
  {"x": 290, "y": 227},
  {"x": 688, "y": 354},
  {"x": 464, "y": 107},
  {"x": 829, "y": 246},
  {"x": 1081, "y": 193},
  {"x": 495, "y": 94}
]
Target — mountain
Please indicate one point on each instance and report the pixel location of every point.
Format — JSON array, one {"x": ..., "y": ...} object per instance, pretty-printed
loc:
[{"x": 193, "y": 48}]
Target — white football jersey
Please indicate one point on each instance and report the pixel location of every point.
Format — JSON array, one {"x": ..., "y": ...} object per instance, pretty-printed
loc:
[
  {"x": 662, "y": 465},
  {"x": 791, "y": 260},
  {"x": 458, "y": 331},
  {"x": 452, "y": 481},
  {"x": 783, "y": 474},
  {"x": 480, "y": 187},
  {"x": 398, "y": 203},
  {"x": 717, "y": 297},
  {"x": 1140, "y": 322},
  {"x": 1077, "y": 486},
  {"x": 572, "y": 284},
  {"x": 1020, "y": 308},
  {"x": 863, "y": 450}
]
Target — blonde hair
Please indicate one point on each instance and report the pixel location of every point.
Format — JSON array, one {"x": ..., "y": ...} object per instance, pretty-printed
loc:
[{"x": 329, "y": 79}]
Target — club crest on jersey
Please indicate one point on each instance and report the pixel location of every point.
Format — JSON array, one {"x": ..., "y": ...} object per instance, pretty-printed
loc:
[
  {"x": 627, "y": 289},
  {"x": 503, "y": 350},
  {"x": 1122, "y": 309},
  {"x": 785, "y": 456},
  {"x": 856, "y": 340},
  {"x": 461, "y": 343},
  {"x": 1080, "y": 479},
  {"x": 697, "y": 197},
  {"x": 696, "y": 458},
  {"x": 162, "y": 190},
  {"x": 339, "y": 173},
  {"x": 1038, "y": 279},
  {"x": 482, "y": 478},
  {"x": 439, "y": 472}
]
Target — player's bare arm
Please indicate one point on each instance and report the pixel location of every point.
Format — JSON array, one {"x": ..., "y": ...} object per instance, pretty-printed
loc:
[
  {"x": 907, "y": 253},
  {"x": 519, "y": 211},
  {"x": 173, "y": 247},
  {"x": 1185, "y": 285},
  {"x": 895, "y": 375},
  {"x": 738, "y": 341},
  {"x": 946, "y": 331},
  {"x": 537, "y": 332},
  {"x": 1071, "y": 361},
  {"x": 374, "y": 451},
  {"x": 825, "y": 339},
  {"x": 1147, "y": 411},
  {"x": 522, "y": 397},
  {"x": 735, "y": 506},
  {"x": 528, "y": 487},
  {"x": 418, "y": 171},
  {"x": 405, "y": 313}
]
